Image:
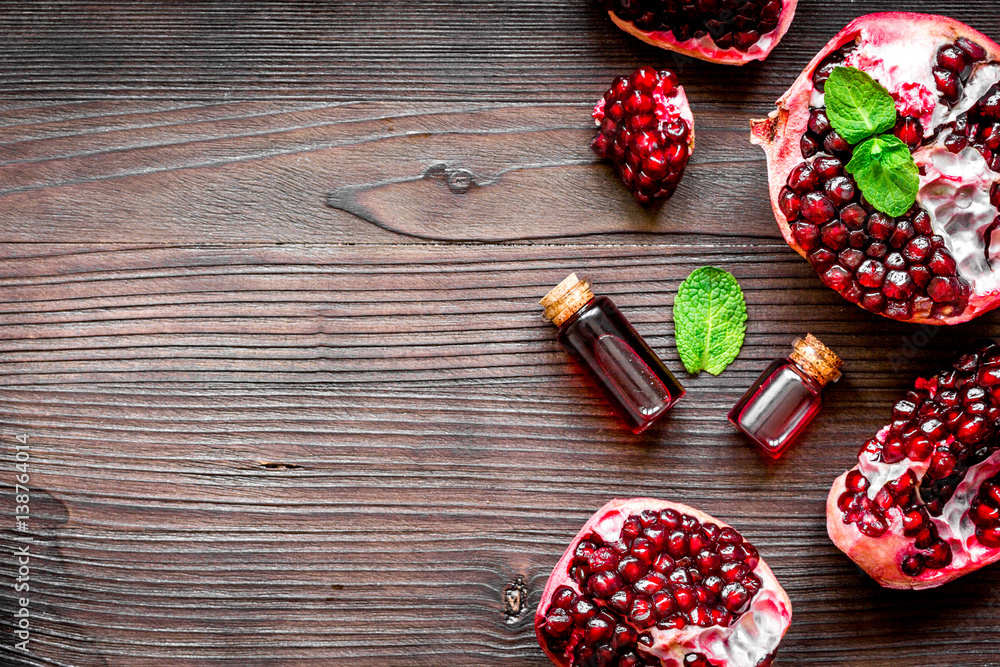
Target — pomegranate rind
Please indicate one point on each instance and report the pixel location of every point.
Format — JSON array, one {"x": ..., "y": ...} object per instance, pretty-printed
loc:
[
  {"x": 881, "y": 557},
  {"x": 703, "y": 48},
  {"x": 764, "y": 623},
  {"x": 778, "y": 134}
]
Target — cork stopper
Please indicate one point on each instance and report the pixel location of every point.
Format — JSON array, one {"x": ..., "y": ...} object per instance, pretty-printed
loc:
[
  {"x": 566, "y": 298},
  {"x": 816, "y": 359}
]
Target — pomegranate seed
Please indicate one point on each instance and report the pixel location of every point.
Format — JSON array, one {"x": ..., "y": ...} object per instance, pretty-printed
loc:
[
  {"x": 942, "y": 289},
  {"x": 948, "y": 83},
  {"x": 917, "y": 250},
  {"x": 879, "y": 226},
  {"x": 821, "y": 258},
  {"x": 836, "y": 277},
  {"x": 851, "y": 258},
  {"x": 922, "y": 223},
  {"x": 803, "y": 178},
  {"x": 808, "y": 145},
  {"x": 663, "y": 563},
  {"x": 677, "y": 544},
  {"x": 872, "y": 525},
  {"x": 913, "y": 521},
  {"x": 921, "y": 275},
  {"x": 856, "y": 482},
  {"x": 644, "y": 79},
  {"x": 670, "y": 518},
  {"x": 898, "y": 310},
  {"x": 631, "y": 568},
  {"x": 582, "y": 611},
  {"x": 853, "y": 216},
  {"x": 938, "y": 555},
  {"x": 989, "y": 537},
  {"x": 972, "y": 50},
  {"x": 650, "y": 584},
  {"x": 910, "y": 131},
  {"x": 731, "y": 572},
  {"x": 818, "y": 122},
  {"x": 664, "y": 604},
  {"x": 817, "y": 208},
  {"x": 599, "y": 629},
  {"x": 685, "y": 596},
  {"x": 604, "y": 584},
  {"x": 840, "y": 190},
  {"x": 898, "y": 285},
  {"x": 622, "y": 600},
  {"x": 991, "y": 493},
  {"x": 902, "y": 234},
  {"x": 642, "y": 613},
  {"x": 834, "y": 143},
  {"x": 912, "y": 565},
  {"x": 558, "y": 622},
  {"x": 834, "y": 235},
  {"x": 735, "y": 597},
  {"x": 877, "y": 250},
  {"x": 871, "y": 273},
  {"x": 952, "y": 58},
  {"x": 806, "y": 234},
  {"x": 983, "y": 514},
  {"x": 827, "y": 166}
]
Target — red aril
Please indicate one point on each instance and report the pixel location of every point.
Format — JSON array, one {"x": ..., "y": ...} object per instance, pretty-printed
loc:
[
  {"x": 922, "y": 507},
  {"x": 646, "y": 131},
  {"x": 650, "y": 582},
  {"x": 733, "y": 32},
  {"x": 935, "y": 263}
]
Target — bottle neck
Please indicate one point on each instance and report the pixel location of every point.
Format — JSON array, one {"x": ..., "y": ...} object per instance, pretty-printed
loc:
[
  {"x": 817, "y": 360},
  {"x": 566, "y": 299}
]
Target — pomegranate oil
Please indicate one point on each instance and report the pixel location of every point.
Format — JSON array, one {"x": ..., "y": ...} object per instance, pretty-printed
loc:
[
  {"x": 606, "y": 345},
  {"x": 784, "y": 399}
]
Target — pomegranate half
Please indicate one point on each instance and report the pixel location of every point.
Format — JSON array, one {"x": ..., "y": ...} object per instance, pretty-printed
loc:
[
  {"x": 650, "y": 582},
  {"x": 934, "y": 263},
  {"x": 922, "y": 507},
  {"x": 733, "y": 32}
]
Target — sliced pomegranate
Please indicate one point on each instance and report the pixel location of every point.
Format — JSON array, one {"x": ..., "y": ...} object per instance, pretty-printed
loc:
[
  {"x": 922, "y": 507},
  {"x": 646, "y": 131},
  {"x": 649, "y": 582},
  {"x": 733, "y": 32},
  {"x": 934, "y": 263}
]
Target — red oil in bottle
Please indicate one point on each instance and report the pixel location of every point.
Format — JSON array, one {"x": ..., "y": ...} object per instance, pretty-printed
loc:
[
  {"x": 607, "y": 346},
  {"x": 784, "y": 399}
]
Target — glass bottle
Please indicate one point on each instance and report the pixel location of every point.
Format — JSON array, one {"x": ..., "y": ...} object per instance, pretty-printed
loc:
[
  {"x": 605, "y": 344},
  {"x": 780, "y": 404}
]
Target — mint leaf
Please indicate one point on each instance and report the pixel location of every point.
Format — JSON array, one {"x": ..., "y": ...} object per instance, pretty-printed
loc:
[
  {"x": 710, "y": 319},
  {"x": 886, "y": 174},
  {"x": 857, "y": 105}
]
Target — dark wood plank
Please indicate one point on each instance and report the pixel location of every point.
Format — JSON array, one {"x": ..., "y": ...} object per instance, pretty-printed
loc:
[
  {"x": 335, "y": 455},
  {"x": 455, "y": 50},
  {"x": 268, "y": 315},
  {"x": 374, "y": 172}
]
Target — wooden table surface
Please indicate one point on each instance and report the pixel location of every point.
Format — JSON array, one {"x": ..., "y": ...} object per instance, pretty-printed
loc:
[{"x": 269, "y": 277}]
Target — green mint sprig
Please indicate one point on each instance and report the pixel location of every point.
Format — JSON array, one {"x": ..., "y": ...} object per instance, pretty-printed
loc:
[
  {"x": 861, "y": 110},
  {"x": 710, "y": 318}
]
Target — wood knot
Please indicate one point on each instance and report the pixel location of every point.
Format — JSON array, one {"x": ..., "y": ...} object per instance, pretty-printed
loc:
[{"x": 515, "y": 598}]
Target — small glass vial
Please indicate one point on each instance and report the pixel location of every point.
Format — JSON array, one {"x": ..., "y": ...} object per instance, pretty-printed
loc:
[
  {"x": 603, "y": 342},
  {"x": 786, "y": 397}
]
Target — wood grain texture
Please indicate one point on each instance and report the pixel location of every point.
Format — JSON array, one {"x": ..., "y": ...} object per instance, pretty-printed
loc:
[{"x": 268, "y": 316}]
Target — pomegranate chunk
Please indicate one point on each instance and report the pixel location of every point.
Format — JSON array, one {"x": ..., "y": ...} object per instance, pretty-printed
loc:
[
  {"x": 650, "y": 582},
  {"x": 934, "y": 263},
  {"x": 733, "y": 32},
  {"x": 922, "y": 507},
  {"x": 646, "y": 131}
]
